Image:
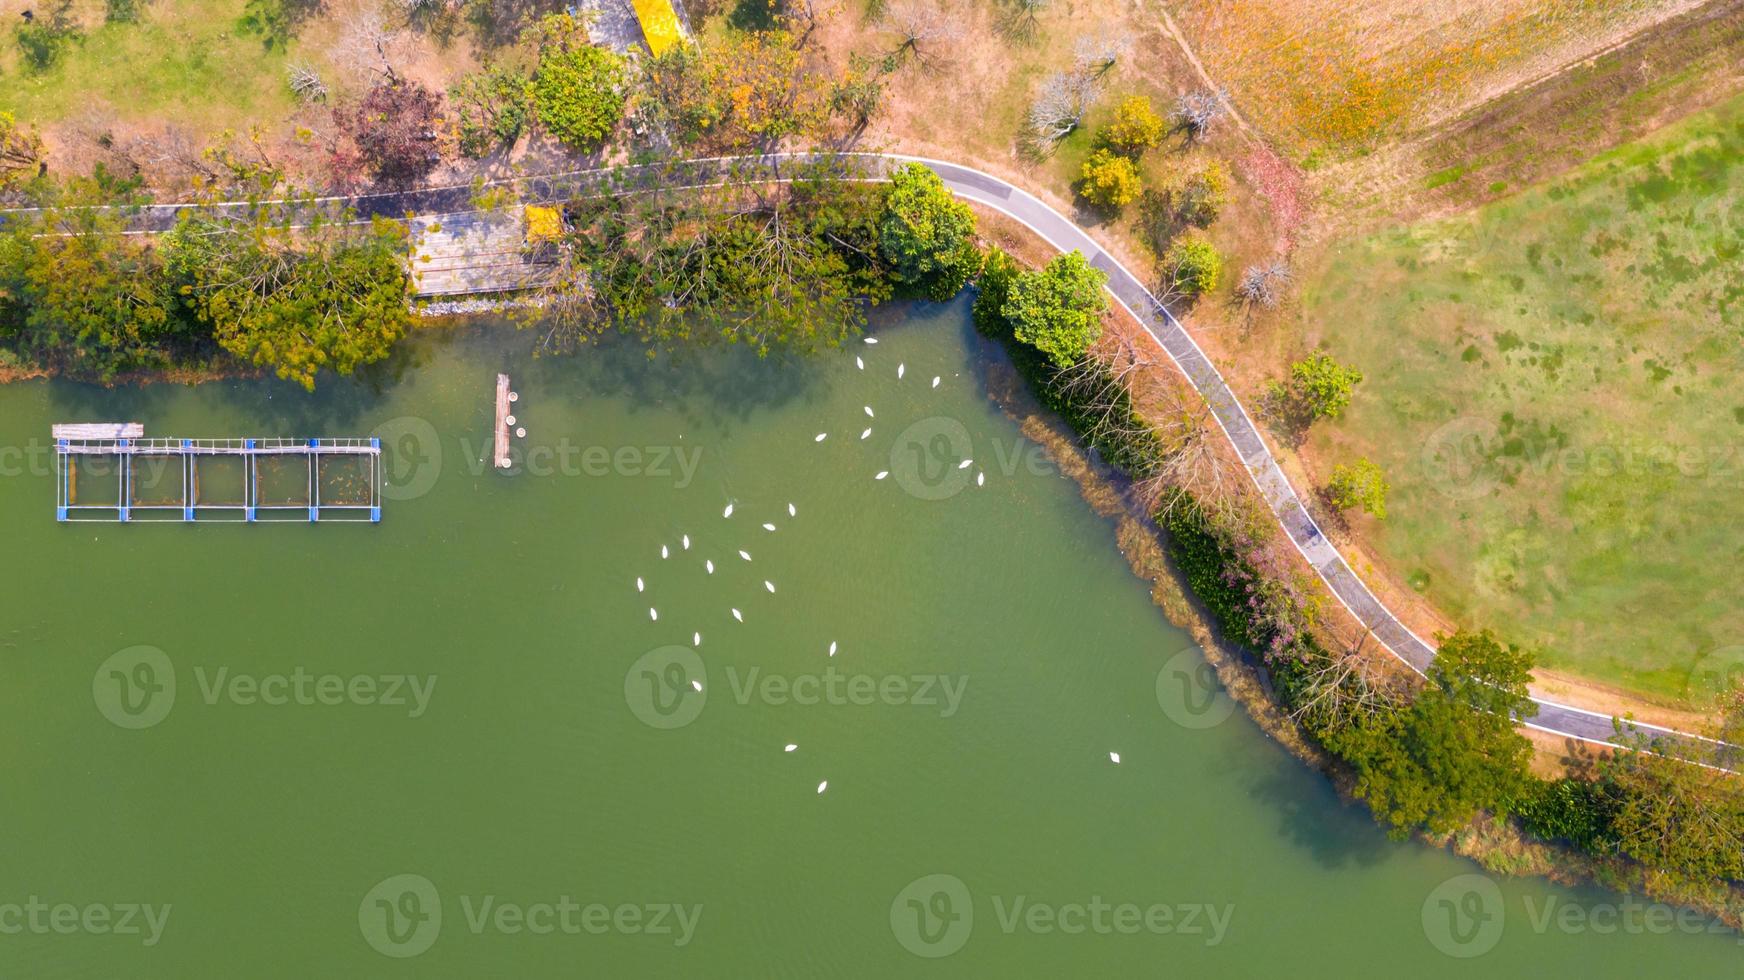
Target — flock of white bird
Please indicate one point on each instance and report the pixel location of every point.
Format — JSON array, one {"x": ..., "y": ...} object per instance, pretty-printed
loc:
[{"x": 793, "y": 512}]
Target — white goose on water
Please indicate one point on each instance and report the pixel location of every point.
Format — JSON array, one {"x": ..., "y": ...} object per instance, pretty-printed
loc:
[
  {"x": 654, "y": 614},
  {"x": 935, "y": 381},
  {"x": 709, "y": 563},
  {"x": 738, "y": 615},
  {"x": 869, "y": 412},
  {"x": 768, "y": 526},
  {"x": 686, "y": 542},
  {"x": 821, "y": 436},
  {"x": 900, "y": 368},
  {"x": 665, "y": 551},
  {"x": 696, "y": 685},
  {"x": 745, "y": 555},
  {"x": 871, "y": 340},
  {"x": 792, "y": 511},
  {"x": 881, "y": 474},
  {"x": 696, "y": 639},
  {"x": 769, "y": 585},
  {"x": 791, "y": 746},
  {"x": 859, "y": 363},
  {"x": 832, "y": 648},
  {"x": 728, "y": 512},
  {"x": 638, "y": 583},
  {"x": 823, "y": 786},
  {"x": 867, "y": 434},
  {"x": 1114, "y": 757}
]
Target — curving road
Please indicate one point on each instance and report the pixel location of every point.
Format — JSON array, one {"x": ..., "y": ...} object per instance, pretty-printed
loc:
[{"x": 1060, "y": 232}]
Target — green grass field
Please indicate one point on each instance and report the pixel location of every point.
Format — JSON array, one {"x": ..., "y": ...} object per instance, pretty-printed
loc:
[
  {"x": 184, "y": 61},
  {"x": 1555, "y": 387}
]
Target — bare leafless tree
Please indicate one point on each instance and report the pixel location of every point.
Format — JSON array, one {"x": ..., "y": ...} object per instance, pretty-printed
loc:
[
  {"x": 1098, "y": 53},
  {"x": 367, "y": 46},
  {"x": 1021, "y": 19},
  {"x": 305, "y": 83},
  {"x": 1263, "y": 283},
  {"x": 1196, "y": 112},
  {"x": 924, "y": 32},
  {"x": 1059, "y": 106},
  {"x": 1341, "y": 683}
]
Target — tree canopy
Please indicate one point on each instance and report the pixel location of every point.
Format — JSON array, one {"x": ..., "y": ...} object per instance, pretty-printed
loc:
[
  {"x": 926, "y": 234},
  {"x": 768, "y": 266},
  {"x": 1454, "y": 749},
  {"x": 1058, "y": 308},
  {"x": 1109, "y": 180},
  {"x": 78, "y": 293},
  {"x": 292, "y": 300},
  {"x": 578, "y": 89}
]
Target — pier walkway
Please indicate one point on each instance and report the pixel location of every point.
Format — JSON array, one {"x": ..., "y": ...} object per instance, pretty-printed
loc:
[{"x": 100, "y": 476}]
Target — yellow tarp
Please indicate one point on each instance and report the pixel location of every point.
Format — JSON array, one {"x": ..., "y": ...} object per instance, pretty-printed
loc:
[
  {"x": 543, "y": 224},
  {"x": 659, "y": 24}
]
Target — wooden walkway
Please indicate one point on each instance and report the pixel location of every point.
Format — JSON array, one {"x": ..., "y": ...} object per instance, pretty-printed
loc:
[
  {"x": 504, "y": 406},
  {"x": 470, "y": 253}
]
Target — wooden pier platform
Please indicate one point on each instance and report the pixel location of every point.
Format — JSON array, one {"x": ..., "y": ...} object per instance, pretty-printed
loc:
[
  {"x": 502, "y": 433},
  {"x": 471, "y": 253},
  {"x": 130, "y": 478}
]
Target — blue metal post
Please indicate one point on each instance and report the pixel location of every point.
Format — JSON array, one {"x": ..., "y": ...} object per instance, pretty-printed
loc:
[
  {"x": 187, "y": 473},
  {"x": 126, "y": 481}
]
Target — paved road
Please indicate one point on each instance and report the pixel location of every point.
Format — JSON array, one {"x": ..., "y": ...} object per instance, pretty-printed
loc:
[
  {"x": 1060, "y": 232},
  {"x": 1244, "y": 435}
]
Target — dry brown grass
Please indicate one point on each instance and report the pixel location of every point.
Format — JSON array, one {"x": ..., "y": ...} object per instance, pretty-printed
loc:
[{"x": 1343, "y": 72}]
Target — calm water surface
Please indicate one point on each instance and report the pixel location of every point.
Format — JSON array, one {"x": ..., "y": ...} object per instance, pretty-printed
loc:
[{"x": 544, "y": 793}]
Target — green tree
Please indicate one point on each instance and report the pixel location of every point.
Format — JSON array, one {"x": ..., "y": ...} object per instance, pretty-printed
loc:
[
  {"x": 1058, "y": 308},
  {"x": 294, "y": 300},
  {"x": 1109, "y": 180},
  {"x": 1358, "y": 484},
  {"x": 1136, "y": 127},
  {"x": 1454, "y": 750},
  {"x": 1319, "y": 388},
  {"x": 1191, "y": 267},
  {"x": 1673, "y": 815},
  {"x": 578, "y": 89},
  {"x": 1201, "y": 195},
  {"x": 77, "y": 293},
  {"x": 491, "y": 106},
  {"x": 926, "y": 234},
  {"x": 768, "y": 267},
  {"x": 992, "y": 289}
]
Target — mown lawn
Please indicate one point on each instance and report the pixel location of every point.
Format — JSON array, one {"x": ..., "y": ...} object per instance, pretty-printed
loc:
[
  {"x": 184, "y": 61},
  {"x": 1555, "y": 387}
]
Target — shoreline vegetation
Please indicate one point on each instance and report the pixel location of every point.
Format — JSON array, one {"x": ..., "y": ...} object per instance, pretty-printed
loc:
[{"x": 793, "y": 266}]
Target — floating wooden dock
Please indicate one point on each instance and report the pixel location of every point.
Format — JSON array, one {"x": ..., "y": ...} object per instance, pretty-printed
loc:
[
  {"x": 502, "y": 433},
  {"x": 131, "y": 478}
]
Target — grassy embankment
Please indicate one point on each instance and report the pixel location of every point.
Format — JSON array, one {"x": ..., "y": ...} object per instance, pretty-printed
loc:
[{"x": 1572, "y": 351}]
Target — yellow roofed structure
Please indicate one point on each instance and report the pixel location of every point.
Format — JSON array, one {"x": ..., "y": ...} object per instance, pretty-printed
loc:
[
  {"x": 659, "y": 25},
  {"x": 543, "y": 224}
]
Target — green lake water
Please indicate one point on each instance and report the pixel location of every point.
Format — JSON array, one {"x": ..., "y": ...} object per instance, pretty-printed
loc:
[{"x": 550, "y": 792}]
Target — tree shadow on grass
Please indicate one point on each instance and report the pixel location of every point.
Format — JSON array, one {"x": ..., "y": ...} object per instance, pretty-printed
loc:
[{"x": 754, "y": 15}]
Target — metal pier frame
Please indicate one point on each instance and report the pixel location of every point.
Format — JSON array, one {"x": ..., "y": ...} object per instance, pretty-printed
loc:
[{"x": 188, "y": 452}]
